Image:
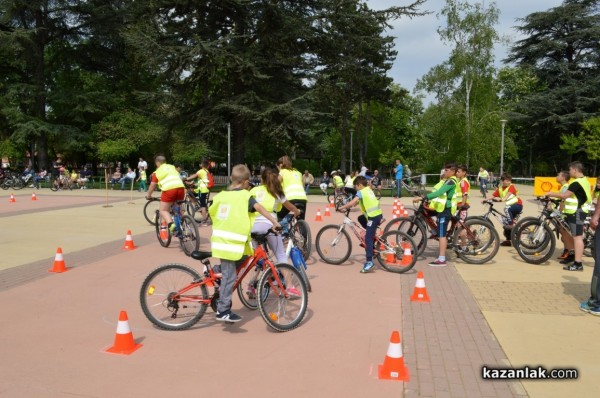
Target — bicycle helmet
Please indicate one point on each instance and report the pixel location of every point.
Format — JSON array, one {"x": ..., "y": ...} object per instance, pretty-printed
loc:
[{"x": 333, "y": 172}]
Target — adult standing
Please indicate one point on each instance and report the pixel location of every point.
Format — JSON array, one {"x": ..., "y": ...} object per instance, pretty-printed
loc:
[
  {"x": 399, "y": 171},
  {"x": 291, "y": 182},
  {"x": 325, "y": 181},
  {"x": 142, "y": 164},
  {"x": 483, "y": 179},
  {"x": 363, "y": 170},
  {"x": 592, "y": 305},
  {"x": 307, "y": 180},
  {"x": 167, "y": 178}
]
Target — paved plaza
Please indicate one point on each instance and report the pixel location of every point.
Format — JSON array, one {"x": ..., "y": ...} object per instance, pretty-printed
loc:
[{"x": 55, "y": 327}]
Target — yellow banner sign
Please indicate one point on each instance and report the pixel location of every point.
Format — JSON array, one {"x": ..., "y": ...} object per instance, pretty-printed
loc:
[{"x": 543, "y": 185}]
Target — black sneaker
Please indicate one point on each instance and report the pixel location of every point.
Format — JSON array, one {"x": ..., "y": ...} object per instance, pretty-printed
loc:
[
  {"x": 506, "y": 243},
  {"x": 573, "y": 267},
  {"x": 569, "y": 259},
  {"x": 228, "y": 316}
]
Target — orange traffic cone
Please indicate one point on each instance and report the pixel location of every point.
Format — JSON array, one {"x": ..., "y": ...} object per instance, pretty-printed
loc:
[
  {"x": 420, "y": 292},
  {"x": 407, "y": 258},
  {"x": 12, "y": 198},
  {"x": 33, "y": 197},
  {"x": 124, "y": 343},
  {"x": 393, "y": 367},
  {"x": 331, "y": 204},
  {"x": 390, "y": 258},
  {"x": 129, "y": 245},
  {"x": 318, "y": 217},
  {"x": 59, "y": 262},
  {"x": 327, "y": 212},
  {"x": 164, "y": 234}
]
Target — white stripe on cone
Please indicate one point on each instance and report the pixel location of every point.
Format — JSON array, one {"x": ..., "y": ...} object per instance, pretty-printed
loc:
[
  {"x": 394, "y": 350},
  {"x": 420, "y": 282},
  {"x": 123, "y": 327}
]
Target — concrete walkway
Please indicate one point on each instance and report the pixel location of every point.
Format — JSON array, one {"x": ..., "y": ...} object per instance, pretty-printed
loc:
[{"x": 506, "y": 313}]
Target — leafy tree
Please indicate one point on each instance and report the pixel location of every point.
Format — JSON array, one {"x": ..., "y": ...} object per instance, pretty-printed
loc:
[
  {"x": 562, "y": 49},
  {"x": 463, "y": 86}
]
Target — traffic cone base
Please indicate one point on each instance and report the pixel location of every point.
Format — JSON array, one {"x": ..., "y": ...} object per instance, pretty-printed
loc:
[
  {"x": 124, "y": 342},
  {"x": 129, "y": 245},
  {"x": 59, "y": 262},
  {"x": 318, "y": 217},
  {"x": 420, "y": 292},
  {"x": 393, "y": 367},
  {"x": 407, "y": 257}
]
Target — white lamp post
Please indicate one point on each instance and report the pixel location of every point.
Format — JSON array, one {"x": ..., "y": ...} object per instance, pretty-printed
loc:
[{"x": 502, "y": 148}]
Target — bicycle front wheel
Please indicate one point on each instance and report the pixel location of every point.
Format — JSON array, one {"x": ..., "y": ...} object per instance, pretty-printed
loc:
[
  {"x": 168, "y": 299},
  {"x": 163, "y": 234},
  {"x": 413, "y": 228},
  {"x": 476, "y": 241},
  {"x": 189, "y": 239},
  {"x": 150, "y": 209},
  {"x": 397, "y": 252},
  {"x": 534, "y": 242},
  {"x": 333, "y": 244},
  {"x": 280, "y": 312}
]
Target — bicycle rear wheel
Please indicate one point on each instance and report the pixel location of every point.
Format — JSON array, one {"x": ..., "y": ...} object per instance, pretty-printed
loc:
[
  {"x": 413, "y": 228},
  {"x": 163, "y": 234},
  {"x": 189, "y": 239},
  {"x": 150, "y": 209},
  {"x": 248, "y": 288},
  {"x": 333, "y": 244},
  {"x": 281, "y": 313},
  {"x": 476, "y": 241},
  {"x": 167, "y": 299},
  {"x": 397, "y": 253}
]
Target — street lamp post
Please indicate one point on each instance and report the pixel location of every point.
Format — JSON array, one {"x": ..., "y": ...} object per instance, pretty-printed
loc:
[
  {"x": 351, "y": 139},
  {"x": 502, "y": 148}
]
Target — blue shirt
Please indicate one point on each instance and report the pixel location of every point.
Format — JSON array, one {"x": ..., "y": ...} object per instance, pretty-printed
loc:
[{"x": 399, "y": 169}]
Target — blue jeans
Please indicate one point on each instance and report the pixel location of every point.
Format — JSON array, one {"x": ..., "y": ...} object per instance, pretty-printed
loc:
[
  {"x": 371, "y": 226},
  {"x": 594, "y": 300},
  {"x": 399, "y": 187}
]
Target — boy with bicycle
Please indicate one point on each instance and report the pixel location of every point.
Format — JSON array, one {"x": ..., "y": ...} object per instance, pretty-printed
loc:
[
  {"x": 230, "y": 239},
  {"x": 370, "y": 219}
]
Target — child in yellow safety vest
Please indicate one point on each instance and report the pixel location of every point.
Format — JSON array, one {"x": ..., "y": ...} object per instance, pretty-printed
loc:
[
  {"x": 230, "y": 240},
  {"x": 507, "y": 193},
  {"x": 370, "y": 219},
  {"x": 443, "y": 201}
]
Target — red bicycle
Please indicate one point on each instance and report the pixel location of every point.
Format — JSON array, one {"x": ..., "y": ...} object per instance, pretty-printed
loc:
[{"x": 175, "y": 296}]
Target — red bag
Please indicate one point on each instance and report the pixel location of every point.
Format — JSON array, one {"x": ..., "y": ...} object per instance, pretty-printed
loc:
[{"x": 211, "y": 180}]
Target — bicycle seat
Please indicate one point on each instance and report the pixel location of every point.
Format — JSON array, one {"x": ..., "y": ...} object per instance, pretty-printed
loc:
[
  {"x": 259, "y": 238},
  {"x": 200, "y": 255},
  {"x": 465, "y": 207}
]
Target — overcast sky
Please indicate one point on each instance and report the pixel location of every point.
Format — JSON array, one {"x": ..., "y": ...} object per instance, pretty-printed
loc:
[{"x": 418, "y": 43}]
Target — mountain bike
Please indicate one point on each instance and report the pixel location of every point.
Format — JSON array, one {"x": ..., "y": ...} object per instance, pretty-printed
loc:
[
  {"x": 411, "y": 185},
  {"x": 61, "y": 182},
  {"x": 339, "y": 197},
  {"x": 395, "y": 250},
  {"x": 297, "y": 236},
  {"x": 186, "y": 229},
  {"x": 534, "y": 238},
  {"x": 474, "y": 240},
  {"x": 175, "y": 296}
]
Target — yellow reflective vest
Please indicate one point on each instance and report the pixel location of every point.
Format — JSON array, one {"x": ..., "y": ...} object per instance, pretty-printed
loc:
[
  {"x": 369, "y": 203},
  {"x": 571, "y": 204},
  {"x": 440, "y": 203},
  {"x": 168, "y": 177},
  {"x": 503, "y": 192},
  {"x": 230, "y": 238},
  {"x": 292, "y": 184}
]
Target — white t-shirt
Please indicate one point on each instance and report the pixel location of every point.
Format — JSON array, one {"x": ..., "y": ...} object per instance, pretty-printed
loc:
[
  {"x": 363, "y": 171},
  {"x": 142, "y": 163}
]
